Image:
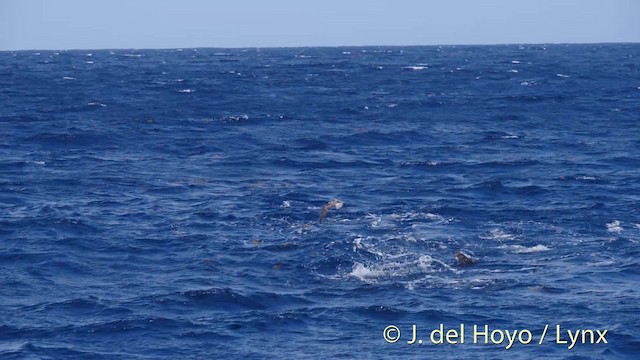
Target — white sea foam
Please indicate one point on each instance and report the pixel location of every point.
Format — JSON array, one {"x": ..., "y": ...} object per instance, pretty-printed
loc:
[
  {"x": 365, "y": 274},
  {"x": 429, "y": 264},
  {"x": 513, "y": 71},
  {"x": 515, "y": 61},
  {"x": 375, "y": 220},
  {"x": 97, "y": 104},
  {"x": 519, "y": 249},
  {"x": 498, "y": 235},
  {"x": 415, "y": 68},
  {"x": 357, "y": 244},
  {"x": 401, "y": 266},
  {"x": 235, "y": 118},
  {"x": 186, "y": 90},
  {"x": 614, "y": 227},
  {"x": 416, "y": 215},
  {"x": 562, "y": 75},
  {"x": 68, "y": 78}
]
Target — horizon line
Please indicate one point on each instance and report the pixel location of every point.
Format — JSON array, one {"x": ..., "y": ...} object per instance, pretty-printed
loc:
[{"x": 330, "y": 46}]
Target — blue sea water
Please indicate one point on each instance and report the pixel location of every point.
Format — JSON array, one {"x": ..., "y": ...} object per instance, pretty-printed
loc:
[{"x": 164, "y": 204}]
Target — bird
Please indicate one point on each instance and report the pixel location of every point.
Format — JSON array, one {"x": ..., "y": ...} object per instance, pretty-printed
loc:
[
  {"x": 334, "y": 203},
  {"x": 463, "y": 259}
]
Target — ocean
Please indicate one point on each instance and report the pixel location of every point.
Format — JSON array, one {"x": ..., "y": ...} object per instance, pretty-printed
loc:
[{"x": 165, "y": 204}]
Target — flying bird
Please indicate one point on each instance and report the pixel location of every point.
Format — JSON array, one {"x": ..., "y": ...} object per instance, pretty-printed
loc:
[{"x": 334, "y": 203}]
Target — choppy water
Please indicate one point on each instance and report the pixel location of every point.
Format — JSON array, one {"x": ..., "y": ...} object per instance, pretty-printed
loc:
[{"x": 165, "y": 203}]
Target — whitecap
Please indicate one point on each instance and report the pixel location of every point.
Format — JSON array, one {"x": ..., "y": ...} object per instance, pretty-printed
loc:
[
  {"x": 519, "y": 249},
  {"x": 357, "y": 244},
  {"x": 498, "y": 235},
  {"x": 614, "y": 227},
  {"x": 415, "y": 68},
  {"x": 235, "y": 117},
  {"x": 97, "y": 104},
  {"x": 88, "y": 62},
  {"x": 515, "y": 61},
  {"x": 429, "y": 264},
  {"x": 375, "y": 220},
  {"x": 363, "y": 273},
  {"x": 415, "y": 215},
  {"x": 513, "y": 71},
  {"x": 68, "y": 78},
  {"x": 562, "y": 75},
  {"x": 186, "y": 90}
]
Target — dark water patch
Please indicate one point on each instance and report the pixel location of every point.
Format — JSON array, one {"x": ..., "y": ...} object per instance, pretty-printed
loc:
[{"x": 226, "y": 298}]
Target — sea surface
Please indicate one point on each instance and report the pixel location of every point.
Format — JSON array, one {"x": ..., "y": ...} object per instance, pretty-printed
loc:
[{"x": 164, "y": 204}]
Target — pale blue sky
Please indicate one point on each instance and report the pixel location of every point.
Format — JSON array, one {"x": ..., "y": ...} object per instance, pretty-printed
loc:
[{"x": 98, "y": 24}]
